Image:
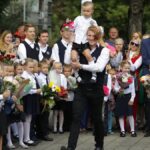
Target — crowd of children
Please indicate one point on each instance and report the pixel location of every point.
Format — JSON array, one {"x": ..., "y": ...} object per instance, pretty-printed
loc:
[{"x": 23, "y": 116}]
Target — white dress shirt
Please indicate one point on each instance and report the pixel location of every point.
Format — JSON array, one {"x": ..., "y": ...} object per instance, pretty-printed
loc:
[
  {"x": 81, "y": 27},
  {"x": 42, "y": 79},
  {"x": 100, "y": 64},
  {"x": 138, "y": 62},
  {"x": 63, "y": 81},
  {"x": 31, "y": 77},
  {"x": 42, "y": 50},
  {"x": 67, "y": 57},
  {"x": 22, "y": 53}
]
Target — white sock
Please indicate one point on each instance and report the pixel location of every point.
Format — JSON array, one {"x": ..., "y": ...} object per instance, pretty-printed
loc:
[
  {"x": 21, "y": 132},
  {"x": 61, "y": 120},
  {"x": 131, "y": 122},
  {"x": 27, "y": 128},
  {"x": 9, "y": 141},
  {"x": 55, "y": 120},
  {"x": 121, "y": 123},
  {"x": 14, "y": 128}
]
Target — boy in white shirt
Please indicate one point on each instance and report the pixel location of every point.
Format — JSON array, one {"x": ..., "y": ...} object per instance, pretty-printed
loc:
[{"x": 80, "y": 42}]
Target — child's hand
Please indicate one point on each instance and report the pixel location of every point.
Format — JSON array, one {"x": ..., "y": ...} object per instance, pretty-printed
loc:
[
  {"x": 121, "y": 90},
  {"x": 6, "y": 94},
  {"x": 38, "y": 91},
  {"x": 14, "y": 98},
  {"x": 130, "y": 103}
]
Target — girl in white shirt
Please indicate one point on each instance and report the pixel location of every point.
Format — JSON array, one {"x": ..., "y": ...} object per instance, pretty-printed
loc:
[
  {"x": 31, "y": 102},
  {"x": 125, "y": 101},
  {"x": 59, "y": 79}
]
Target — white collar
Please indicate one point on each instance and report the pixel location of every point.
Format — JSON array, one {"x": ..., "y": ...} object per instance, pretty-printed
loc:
[
  {"x": 29, "y": 42},
  {"x": 65, "y": 43},
  {"x": 42, "y": 74}
]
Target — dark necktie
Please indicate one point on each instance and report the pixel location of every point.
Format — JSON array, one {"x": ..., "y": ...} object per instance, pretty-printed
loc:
[
  {"x": 47, "y": 80},
  {"x": 37, "y": 84}
]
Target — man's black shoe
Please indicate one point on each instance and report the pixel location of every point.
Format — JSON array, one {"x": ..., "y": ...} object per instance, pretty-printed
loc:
[
  {"x": 98, "y": 148},
  {"x": 147, "y": 134},
  {"x": 47, "y": 138},
  {"x": 65, "y": 148}
]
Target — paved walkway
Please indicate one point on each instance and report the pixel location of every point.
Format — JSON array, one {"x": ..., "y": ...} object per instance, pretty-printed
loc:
[{"x": 86, "y": 142}]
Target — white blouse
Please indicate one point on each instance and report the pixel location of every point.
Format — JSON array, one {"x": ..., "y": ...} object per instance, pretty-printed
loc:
[
  {"x": 130, "y": 89},
  {"x": 81, "y": 27},
  {"x": 31, "y": 77}
]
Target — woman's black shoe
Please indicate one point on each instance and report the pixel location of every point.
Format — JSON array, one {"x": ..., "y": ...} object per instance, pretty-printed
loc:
[
  {"x": 133, "y": 134},
  {"x": 122, "y": 134}
]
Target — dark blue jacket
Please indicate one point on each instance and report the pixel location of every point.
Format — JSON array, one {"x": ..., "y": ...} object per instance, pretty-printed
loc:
[{"x": 145, "y": 50}]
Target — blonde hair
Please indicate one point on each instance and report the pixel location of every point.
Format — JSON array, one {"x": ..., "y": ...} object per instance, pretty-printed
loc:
[
  {"x": 146, "y": 36},
  {"x": 88, "y": 3},
  {"x": 3, "y": 47},
  {"x": 139, "y": 34},
  {"x": 137, "y": 52},
  {"x": 28, "y": 60},
  {"x": 119, "y": 40},
  {"x": 56, "y": 63},
  {"x": 43, "y": 62},
  {"x": 67, "y": 66},
  {"x": 123, "y": 63}
]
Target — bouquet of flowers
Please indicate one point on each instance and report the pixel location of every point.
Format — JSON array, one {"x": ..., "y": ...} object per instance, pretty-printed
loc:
[
  {"x": 63, "y": 93},
  {"x": 145, "y": 80},
  {"x": 72, "y": 84},
  {"x": 49, "y": 93},
  {"x": 7, "y": 58},
  {"x": 124, "y": 79},
  {"x": 7, "y": 85},
  {"x": 24, "y": 87}
]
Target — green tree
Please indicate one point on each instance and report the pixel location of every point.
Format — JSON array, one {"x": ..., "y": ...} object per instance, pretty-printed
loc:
[{"x": 10, "y": 15}]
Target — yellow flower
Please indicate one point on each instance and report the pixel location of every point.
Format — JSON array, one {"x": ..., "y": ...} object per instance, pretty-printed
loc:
[
  {"x": 51, "y": 84},
  {"x": 57, "y": 88}
]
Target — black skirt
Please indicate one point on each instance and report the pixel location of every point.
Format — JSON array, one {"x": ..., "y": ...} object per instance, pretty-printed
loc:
[
  {"x": 31, "y": 104},
  {"x": 122, "y": 108},
  {"x": 60, "y": 105},
  {"x": 3, "y": 124}
]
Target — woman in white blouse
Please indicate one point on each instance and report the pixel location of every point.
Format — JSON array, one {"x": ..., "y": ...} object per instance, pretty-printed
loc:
[{"x": 135, "y": 59}]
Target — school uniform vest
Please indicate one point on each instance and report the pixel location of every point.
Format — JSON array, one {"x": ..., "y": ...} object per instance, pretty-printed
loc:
[
  {"x": 48, "y": 53},
  {"x": 86, "y": 75},
  {"x": 61, "y": 51},
  {"x": 31, "y": 52}
]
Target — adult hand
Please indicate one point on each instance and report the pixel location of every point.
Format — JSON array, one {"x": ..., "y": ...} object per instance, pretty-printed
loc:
[{"x": 76, "y": 65}]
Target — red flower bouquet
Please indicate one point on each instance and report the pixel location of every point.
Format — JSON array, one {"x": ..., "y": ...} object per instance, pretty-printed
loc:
[{"x": 124, "y": 79}]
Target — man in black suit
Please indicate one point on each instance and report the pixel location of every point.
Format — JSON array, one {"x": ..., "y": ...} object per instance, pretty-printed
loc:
[{"x": 145, "y": 50}]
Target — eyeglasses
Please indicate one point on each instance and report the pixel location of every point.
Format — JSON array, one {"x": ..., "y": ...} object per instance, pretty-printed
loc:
[{"x": 135, "y": 44}]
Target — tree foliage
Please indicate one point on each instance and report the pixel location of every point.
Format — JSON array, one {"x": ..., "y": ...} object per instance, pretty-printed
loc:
[
  {"x": 107, "y": 13},
  {"x": 9, "y": 19}
]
